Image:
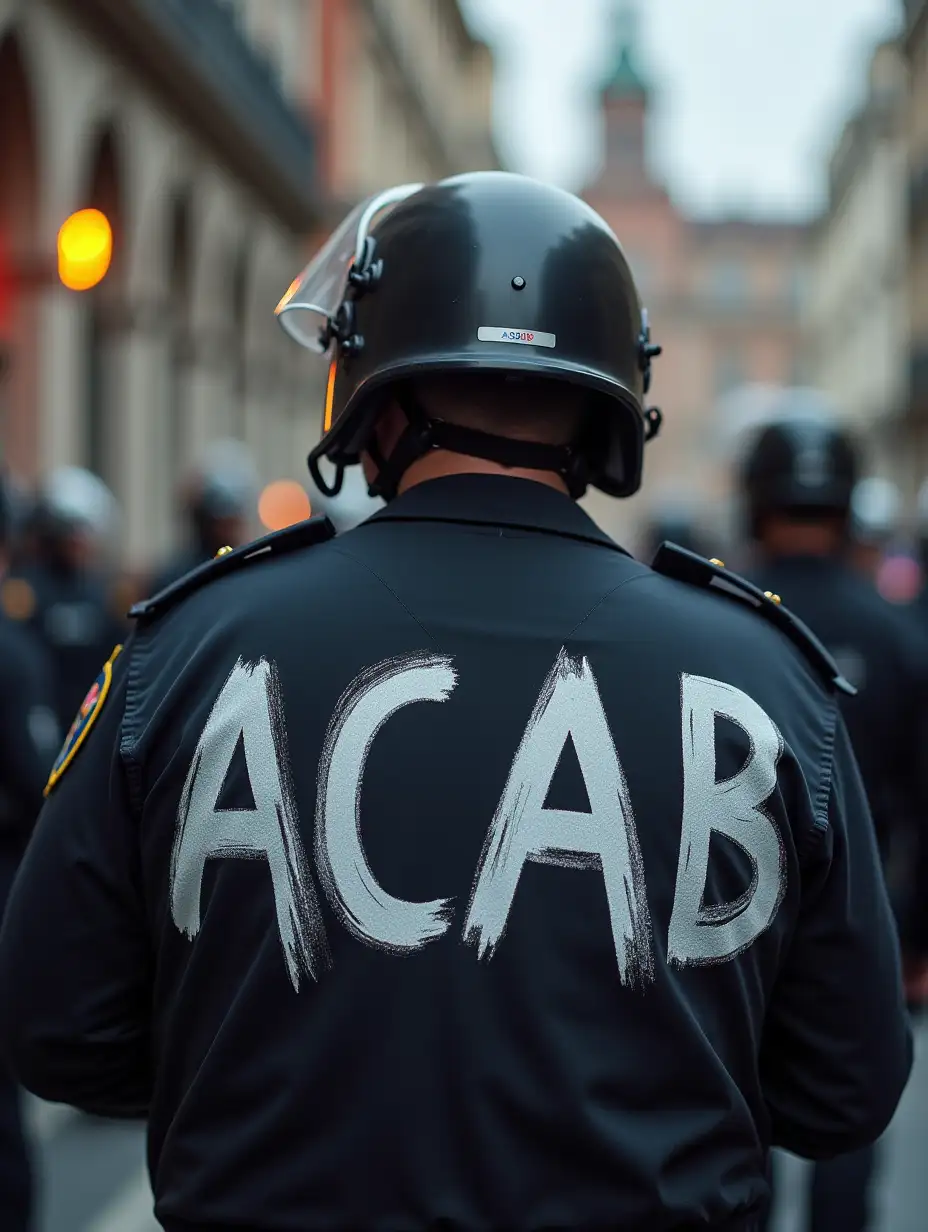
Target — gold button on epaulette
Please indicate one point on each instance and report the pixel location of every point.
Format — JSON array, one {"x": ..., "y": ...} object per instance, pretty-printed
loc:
[
  {"x": 223, "y": 551},
  {"x": 768, "y": 594},
  {"x": 719, "y": 564}
]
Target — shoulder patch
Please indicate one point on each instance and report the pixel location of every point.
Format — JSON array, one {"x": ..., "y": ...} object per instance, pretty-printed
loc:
[
  {"x": 302, "y": 535},
  {"x": 83, "y": 721},
  {"x": 685, "y": 566},
  {"x": 17, "y": 598}
]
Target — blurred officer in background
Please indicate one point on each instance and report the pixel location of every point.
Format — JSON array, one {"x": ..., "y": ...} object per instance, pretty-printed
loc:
[
  {"x": 29, "y": 739},
  {"x": 65, "y": 593},
  {"x": 921, "y": 537},
  {"x": 799, "y": 478},
  {"x": 390, "y": 853},
  {"x": 671, "y": 523},
  {"x": 219, "y": 503},
  {"x": 876, "y": 509}
]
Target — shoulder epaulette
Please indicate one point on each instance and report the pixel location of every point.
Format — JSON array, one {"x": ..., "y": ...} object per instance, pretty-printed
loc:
[
  {"x": 685, "y": 566},
  {"x": 302, "y": 535}
]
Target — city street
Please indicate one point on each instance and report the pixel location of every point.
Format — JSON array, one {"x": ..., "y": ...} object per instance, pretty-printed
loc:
[{"x": 93, "y": 1172}]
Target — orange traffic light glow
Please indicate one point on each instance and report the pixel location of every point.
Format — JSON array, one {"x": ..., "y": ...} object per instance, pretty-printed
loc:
[
  {"x": 85, "y": 250},
  {"x": 282, "y": 503}
]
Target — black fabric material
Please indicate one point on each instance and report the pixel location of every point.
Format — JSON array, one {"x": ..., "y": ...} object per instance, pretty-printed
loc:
[
  {"x": 16, "y": 1177},
  {"x": 523, "y": 1085},
  {"x": 841, "y": 1198},
  {"x": 885, "y": 653}
]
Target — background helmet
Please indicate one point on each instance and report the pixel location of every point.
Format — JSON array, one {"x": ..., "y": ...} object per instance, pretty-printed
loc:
[
  {"x": 483, "y": 272},
  {"x": 74, "y": 501},
  {"x": 225, "y": 484},
  {"x": 800, "y": 466}
]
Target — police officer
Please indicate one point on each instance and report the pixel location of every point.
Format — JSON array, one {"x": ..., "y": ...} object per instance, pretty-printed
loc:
[
  {"x": 799, "y": 480},
  {"x": 383, "y": 879},
  {"x": 220, "y": 502},
  {"x": 29, "y": 739},
  {"x": 64, "y": 594},
  {"x": 671, "y": 523}
]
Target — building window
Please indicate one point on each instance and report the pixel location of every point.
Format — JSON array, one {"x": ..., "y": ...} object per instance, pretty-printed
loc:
[
  {"x": 729, "y": 372},
  {"x": 729, "y": 283}
]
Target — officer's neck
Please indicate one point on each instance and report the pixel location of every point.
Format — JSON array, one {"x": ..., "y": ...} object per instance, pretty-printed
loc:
[
  {"x": 817, "y": 539},
  {"x": 440, "y": 462}
]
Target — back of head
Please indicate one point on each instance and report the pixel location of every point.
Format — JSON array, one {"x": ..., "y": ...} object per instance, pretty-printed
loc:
[
  {"x": 486, "y": 273},
  {"x": 802, "y": 468}
]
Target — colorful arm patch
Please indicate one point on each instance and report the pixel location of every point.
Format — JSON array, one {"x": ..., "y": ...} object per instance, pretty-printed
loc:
[{"x": 83, "y": 721}]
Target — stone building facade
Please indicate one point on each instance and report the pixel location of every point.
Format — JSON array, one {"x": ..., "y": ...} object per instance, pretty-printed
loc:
[
  {"x": 915, "y": 44},
  {"x": 221, "y": 138},
  {"x": 856, "y": 319}
]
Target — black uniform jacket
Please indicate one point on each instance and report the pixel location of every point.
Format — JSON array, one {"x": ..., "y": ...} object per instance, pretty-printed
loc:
[
  {"x": 885, "y": 655},
  {"x": 461, "y": 872},
  {"x": 29, "y": 735},
  {"x": 73, "y": 615}
]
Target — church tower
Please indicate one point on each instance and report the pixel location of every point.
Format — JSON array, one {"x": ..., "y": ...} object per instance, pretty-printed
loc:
[{"x": 624, "y": 97}]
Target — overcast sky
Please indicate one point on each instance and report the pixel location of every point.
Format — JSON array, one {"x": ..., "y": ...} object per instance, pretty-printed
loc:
[{"x": 750, "y": 93}]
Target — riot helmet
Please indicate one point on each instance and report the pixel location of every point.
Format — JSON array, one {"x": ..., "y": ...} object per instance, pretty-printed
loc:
[
  {"x": 485, "y": 272},
  {"x": 805, "y": 467},
  {"x": 75, "y": 518},
  {"x": 222, "y": 495}
]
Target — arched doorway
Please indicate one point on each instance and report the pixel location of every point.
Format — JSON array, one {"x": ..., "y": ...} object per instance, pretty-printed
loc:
[
  {"x": 20, "y": 268},
  {"x": 103, "y": 321}
]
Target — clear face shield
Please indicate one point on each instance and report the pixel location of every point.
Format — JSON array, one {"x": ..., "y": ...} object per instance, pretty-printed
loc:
[{"x": 309, "y": 309}]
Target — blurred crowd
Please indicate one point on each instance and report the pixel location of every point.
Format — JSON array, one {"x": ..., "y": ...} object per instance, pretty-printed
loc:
[{"x": 61, "y": 542}]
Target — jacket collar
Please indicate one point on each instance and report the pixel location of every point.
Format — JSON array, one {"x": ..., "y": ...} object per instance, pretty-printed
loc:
[{"x": 495, "y": 500}]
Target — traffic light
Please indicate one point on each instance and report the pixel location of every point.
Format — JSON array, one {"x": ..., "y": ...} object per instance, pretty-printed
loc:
[{"x": 85, "y": 250}]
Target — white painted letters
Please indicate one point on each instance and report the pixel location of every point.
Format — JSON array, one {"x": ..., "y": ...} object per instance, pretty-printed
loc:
[
  {"x": 366, "y": 909},
  {"x": 523, "y": 830},
  {"x": 248, "y": 707},
  {"x": 249, "y": 710},
  {"x": 700, "y": 935}
]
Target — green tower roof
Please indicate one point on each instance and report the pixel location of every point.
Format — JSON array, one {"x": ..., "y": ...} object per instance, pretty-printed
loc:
[{"x": 625, "y": 79}]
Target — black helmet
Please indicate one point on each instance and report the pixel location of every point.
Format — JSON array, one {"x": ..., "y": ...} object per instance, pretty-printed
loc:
[
  {"x": 803, "y": 466},
  {"x": 482, "y": 272},
  {"x": 224, "y": 485},
  {"x": 673, "y": 526}
]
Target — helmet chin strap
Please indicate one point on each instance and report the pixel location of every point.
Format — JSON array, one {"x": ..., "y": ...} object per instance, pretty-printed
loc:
[
  {"x": 326, "y": 488},
  {"x": 423, "y": 434}
]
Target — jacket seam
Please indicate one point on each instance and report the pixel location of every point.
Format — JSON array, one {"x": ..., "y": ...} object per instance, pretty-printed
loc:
[
  {"x": 820, "y": 822},
  {"x": 129, "y": 737},
  {"x": 374, "y": 574},
  {"x": 640, "y": 577}
]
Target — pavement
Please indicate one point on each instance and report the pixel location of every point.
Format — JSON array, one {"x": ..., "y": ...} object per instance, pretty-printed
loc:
[{"x": 93, "y": 1178}]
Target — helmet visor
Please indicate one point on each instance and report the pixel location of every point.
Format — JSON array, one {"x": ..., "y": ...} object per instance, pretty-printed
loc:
[{"x": 315, "y": 296}]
